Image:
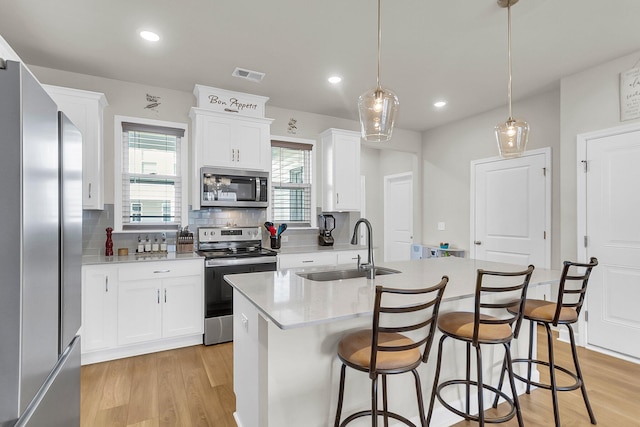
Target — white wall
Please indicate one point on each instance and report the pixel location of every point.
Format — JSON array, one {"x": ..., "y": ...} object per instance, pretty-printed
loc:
[
  {"x": 449, "y": 149},
  {"x": 130, "y": 99},
  {"x": 589, "y": 102}
]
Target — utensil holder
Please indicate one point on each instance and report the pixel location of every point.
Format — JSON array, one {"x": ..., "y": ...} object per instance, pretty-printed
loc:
[{"x": 275, "y": 242}]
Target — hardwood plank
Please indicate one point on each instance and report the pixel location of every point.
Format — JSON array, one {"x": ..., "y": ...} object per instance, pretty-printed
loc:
[
  {"x": 117, "y": 384},
  {"x": 197, "y": 388},
  {"x": 92, "y": 379},
  {"x": 111, "y": 417},
  {"x": 143, "y": 403},
  {"x": 172, "y": 395},
  {"x": 146, "y": 423},
  {"x": 216, "y": 363}
]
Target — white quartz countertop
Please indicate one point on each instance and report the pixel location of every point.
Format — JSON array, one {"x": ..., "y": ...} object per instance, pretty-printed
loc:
[
  {"x": 291, "y": 301},
  {"x": 284, "y": 250},
  {"x": 168, "y": 256}
]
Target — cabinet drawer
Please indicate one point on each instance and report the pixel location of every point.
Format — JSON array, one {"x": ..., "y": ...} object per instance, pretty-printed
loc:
[
  {"x": 312, "y": 259},
  {"x": 351, "y": 257},
  {"x": 160, "y": 270}
]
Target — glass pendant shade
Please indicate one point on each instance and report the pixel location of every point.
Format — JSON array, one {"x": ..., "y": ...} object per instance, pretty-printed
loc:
[
  {"x": 377, "y": 109},
  {"x": 512, "y": 137}
]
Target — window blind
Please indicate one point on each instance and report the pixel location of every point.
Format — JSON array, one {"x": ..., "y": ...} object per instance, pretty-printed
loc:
[
  {"x": 151, "y": 177},
  {"x": 291, "y": 183}
]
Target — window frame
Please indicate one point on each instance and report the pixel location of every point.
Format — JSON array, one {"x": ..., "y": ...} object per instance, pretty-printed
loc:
[
  {"x": 117, "y": 175},
  {"x": 314, "y": 180}
]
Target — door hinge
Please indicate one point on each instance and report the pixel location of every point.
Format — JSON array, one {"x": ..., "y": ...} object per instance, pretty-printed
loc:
[
  {"x": 586, "y": 241},
  {"x": 585, "y": 165},
  {"x": 544, "y": 171}
]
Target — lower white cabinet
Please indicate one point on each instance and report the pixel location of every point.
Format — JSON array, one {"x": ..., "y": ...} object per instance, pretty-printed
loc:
[
  {"x": 99, "y": 307},
  {"x": 137, "y": 308},
  {"x": 321, "y": 259}
]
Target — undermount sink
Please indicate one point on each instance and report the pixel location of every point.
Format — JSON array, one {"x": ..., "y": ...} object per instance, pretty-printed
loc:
[{"x": 354, "y": 273}]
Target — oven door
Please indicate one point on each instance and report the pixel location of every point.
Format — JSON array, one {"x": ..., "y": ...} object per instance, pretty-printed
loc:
[{"x": 218, "y": 296}]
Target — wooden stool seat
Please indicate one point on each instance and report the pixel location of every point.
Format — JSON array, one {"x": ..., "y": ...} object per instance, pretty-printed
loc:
[
  {"x": 460, "y": 324},
  {"x": 355, "y": 350}
]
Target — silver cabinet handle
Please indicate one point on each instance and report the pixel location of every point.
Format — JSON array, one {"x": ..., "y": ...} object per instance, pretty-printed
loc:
[
  {"x": 89, "y": 190},
  {"x": 337, "y": 199},
  {"x": 158, "y": 296},
  {"x": 306, "y": 261},
  {"x": 162, "y": 271},
  {"x": 106, "y": 283},
  {"x": 165, "y": 295},
  {"x": 477, "y": 242},
  {"x": 238, "y": 156}
]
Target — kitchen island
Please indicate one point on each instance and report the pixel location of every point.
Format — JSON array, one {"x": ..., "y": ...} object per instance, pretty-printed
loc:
[{"x": 286, "y": 331}]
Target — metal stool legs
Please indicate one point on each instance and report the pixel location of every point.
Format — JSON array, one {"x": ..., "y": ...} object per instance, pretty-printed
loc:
[
  {"x": 515, "y": 404},
  {"x": 579, "y": 379},
  {"x": 374, "y": 403}
]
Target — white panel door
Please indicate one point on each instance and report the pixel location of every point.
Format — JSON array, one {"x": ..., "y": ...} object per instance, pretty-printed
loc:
[
  {"x": 613, "y": 230},
  {"x": 182, "y": 306},
  {"x": 139, "y": 311},
  {"x": 398, "y": 217},
  {"x": 512, "y": 210}
]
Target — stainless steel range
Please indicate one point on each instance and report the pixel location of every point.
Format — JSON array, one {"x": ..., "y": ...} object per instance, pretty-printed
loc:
[{"x": 228, "y": 250}]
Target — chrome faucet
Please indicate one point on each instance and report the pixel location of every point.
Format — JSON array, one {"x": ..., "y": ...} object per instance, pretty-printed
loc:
[{"x": 369, "y": 266}]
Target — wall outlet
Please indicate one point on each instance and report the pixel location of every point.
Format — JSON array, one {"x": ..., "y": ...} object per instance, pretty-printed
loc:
[
  {"x": 441, "y": 226},
  {"x": 245, "y": 323},
  {"x": 285, "y": 239}
]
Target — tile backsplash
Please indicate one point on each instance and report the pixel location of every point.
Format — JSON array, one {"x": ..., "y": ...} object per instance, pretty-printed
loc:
[{"x": 95, "y": 224}]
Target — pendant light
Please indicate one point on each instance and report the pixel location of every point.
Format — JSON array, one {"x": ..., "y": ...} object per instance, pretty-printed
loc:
[
  {"x": 511, "y": 135},
  {"x": 377, "y": 107}
]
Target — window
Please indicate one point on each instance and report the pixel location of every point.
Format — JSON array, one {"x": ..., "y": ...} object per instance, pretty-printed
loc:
[
  {"x": 291, "y": 189},
  {"x": 150, "y": 162}
]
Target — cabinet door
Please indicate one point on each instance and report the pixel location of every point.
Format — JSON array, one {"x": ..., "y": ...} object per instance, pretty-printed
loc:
[
  {"x": 99, "y": 305},
  {"x": 139, "y": 311},
  {"x": 347, "y": 177},
  {"x": 217, "y": 141},
  {"x": 182, "y": 306},
  {"x": 251, "y": 144},
  {"x": 85, "y": 109}
]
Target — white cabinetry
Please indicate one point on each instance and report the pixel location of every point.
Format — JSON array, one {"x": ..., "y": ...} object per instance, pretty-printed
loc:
[
  {"x": 159, "y": 300},
  {"x": 85, "y": 109},
  {"x": 229, "y": 141},
  {"x": 341, "y": 170},
  {"x": 142, "y": 307},
  {"x": 320, "y": 259},
  {"x": 99, "y": 307},
  {"x": 351, "y": 257}
]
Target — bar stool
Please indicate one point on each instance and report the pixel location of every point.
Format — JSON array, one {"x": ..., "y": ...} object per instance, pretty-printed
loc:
[
  {"x": 489, "y": 323},
  {"x": 388, "y": 350},
  {"x": 563, "y": 312}
]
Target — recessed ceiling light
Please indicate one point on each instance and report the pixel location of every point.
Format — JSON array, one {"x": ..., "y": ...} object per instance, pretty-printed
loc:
[
  {"x": 439, "y": 104},
  {"x": 335, "y": 79},
  {"x": 150, "y": 36}
]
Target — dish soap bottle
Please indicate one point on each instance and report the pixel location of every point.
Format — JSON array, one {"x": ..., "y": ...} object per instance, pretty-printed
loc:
[
  {"x": 163, "y": 245},
  {"x": 155, "y": 247},
  {"x": 140, "y": 245},
  {"x": 147, "y": 245}
]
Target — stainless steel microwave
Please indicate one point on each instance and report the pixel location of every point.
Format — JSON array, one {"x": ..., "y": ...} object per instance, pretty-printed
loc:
[{"x": 233, "y": 188}]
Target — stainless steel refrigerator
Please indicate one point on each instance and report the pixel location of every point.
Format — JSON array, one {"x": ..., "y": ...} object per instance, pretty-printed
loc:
[{"x": 40, "y": 256}]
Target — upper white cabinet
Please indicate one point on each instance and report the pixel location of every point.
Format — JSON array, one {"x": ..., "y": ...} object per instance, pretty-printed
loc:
[
  {"x": 85, "y": 109},
  {"x": 341, "y": 170},
  {"x": 225, "y": 140}
]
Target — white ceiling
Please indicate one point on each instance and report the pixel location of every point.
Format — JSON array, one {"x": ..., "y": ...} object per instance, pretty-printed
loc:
[{"x": 431, "y": 50}]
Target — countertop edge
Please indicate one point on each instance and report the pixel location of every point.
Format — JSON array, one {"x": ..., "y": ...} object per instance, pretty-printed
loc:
[{"x": 171, "y": 256}]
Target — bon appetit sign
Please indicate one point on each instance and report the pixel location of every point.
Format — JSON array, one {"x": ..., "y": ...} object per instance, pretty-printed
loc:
[{"x": 222, "y": 100}]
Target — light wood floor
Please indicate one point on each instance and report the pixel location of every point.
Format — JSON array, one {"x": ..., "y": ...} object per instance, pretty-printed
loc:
[{"x": 193, "y": 387}]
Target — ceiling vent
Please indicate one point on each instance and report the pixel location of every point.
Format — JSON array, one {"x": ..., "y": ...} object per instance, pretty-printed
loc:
[{"x": 254, "y": 76}]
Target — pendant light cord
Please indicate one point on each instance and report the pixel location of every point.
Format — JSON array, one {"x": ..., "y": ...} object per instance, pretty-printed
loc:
[
  {"x": 379, "y": 39},
  {"x": 509, "y": 55}
]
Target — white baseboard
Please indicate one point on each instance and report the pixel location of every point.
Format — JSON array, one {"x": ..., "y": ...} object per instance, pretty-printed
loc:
[
  {"x": 237, "y": 419},
  {"x": 138, "y": 349}
]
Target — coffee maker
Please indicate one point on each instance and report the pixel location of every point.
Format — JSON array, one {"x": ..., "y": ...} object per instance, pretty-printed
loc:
[{"x": 326, "y": 224}]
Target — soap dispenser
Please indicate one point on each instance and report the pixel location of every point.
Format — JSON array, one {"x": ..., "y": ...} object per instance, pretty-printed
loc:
[
  {"x": 156, "y": 246},
  {"x": 147, "y": 245},
  {"x": 163, "y": 245},
  {"x": 140, "y": 245}
]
